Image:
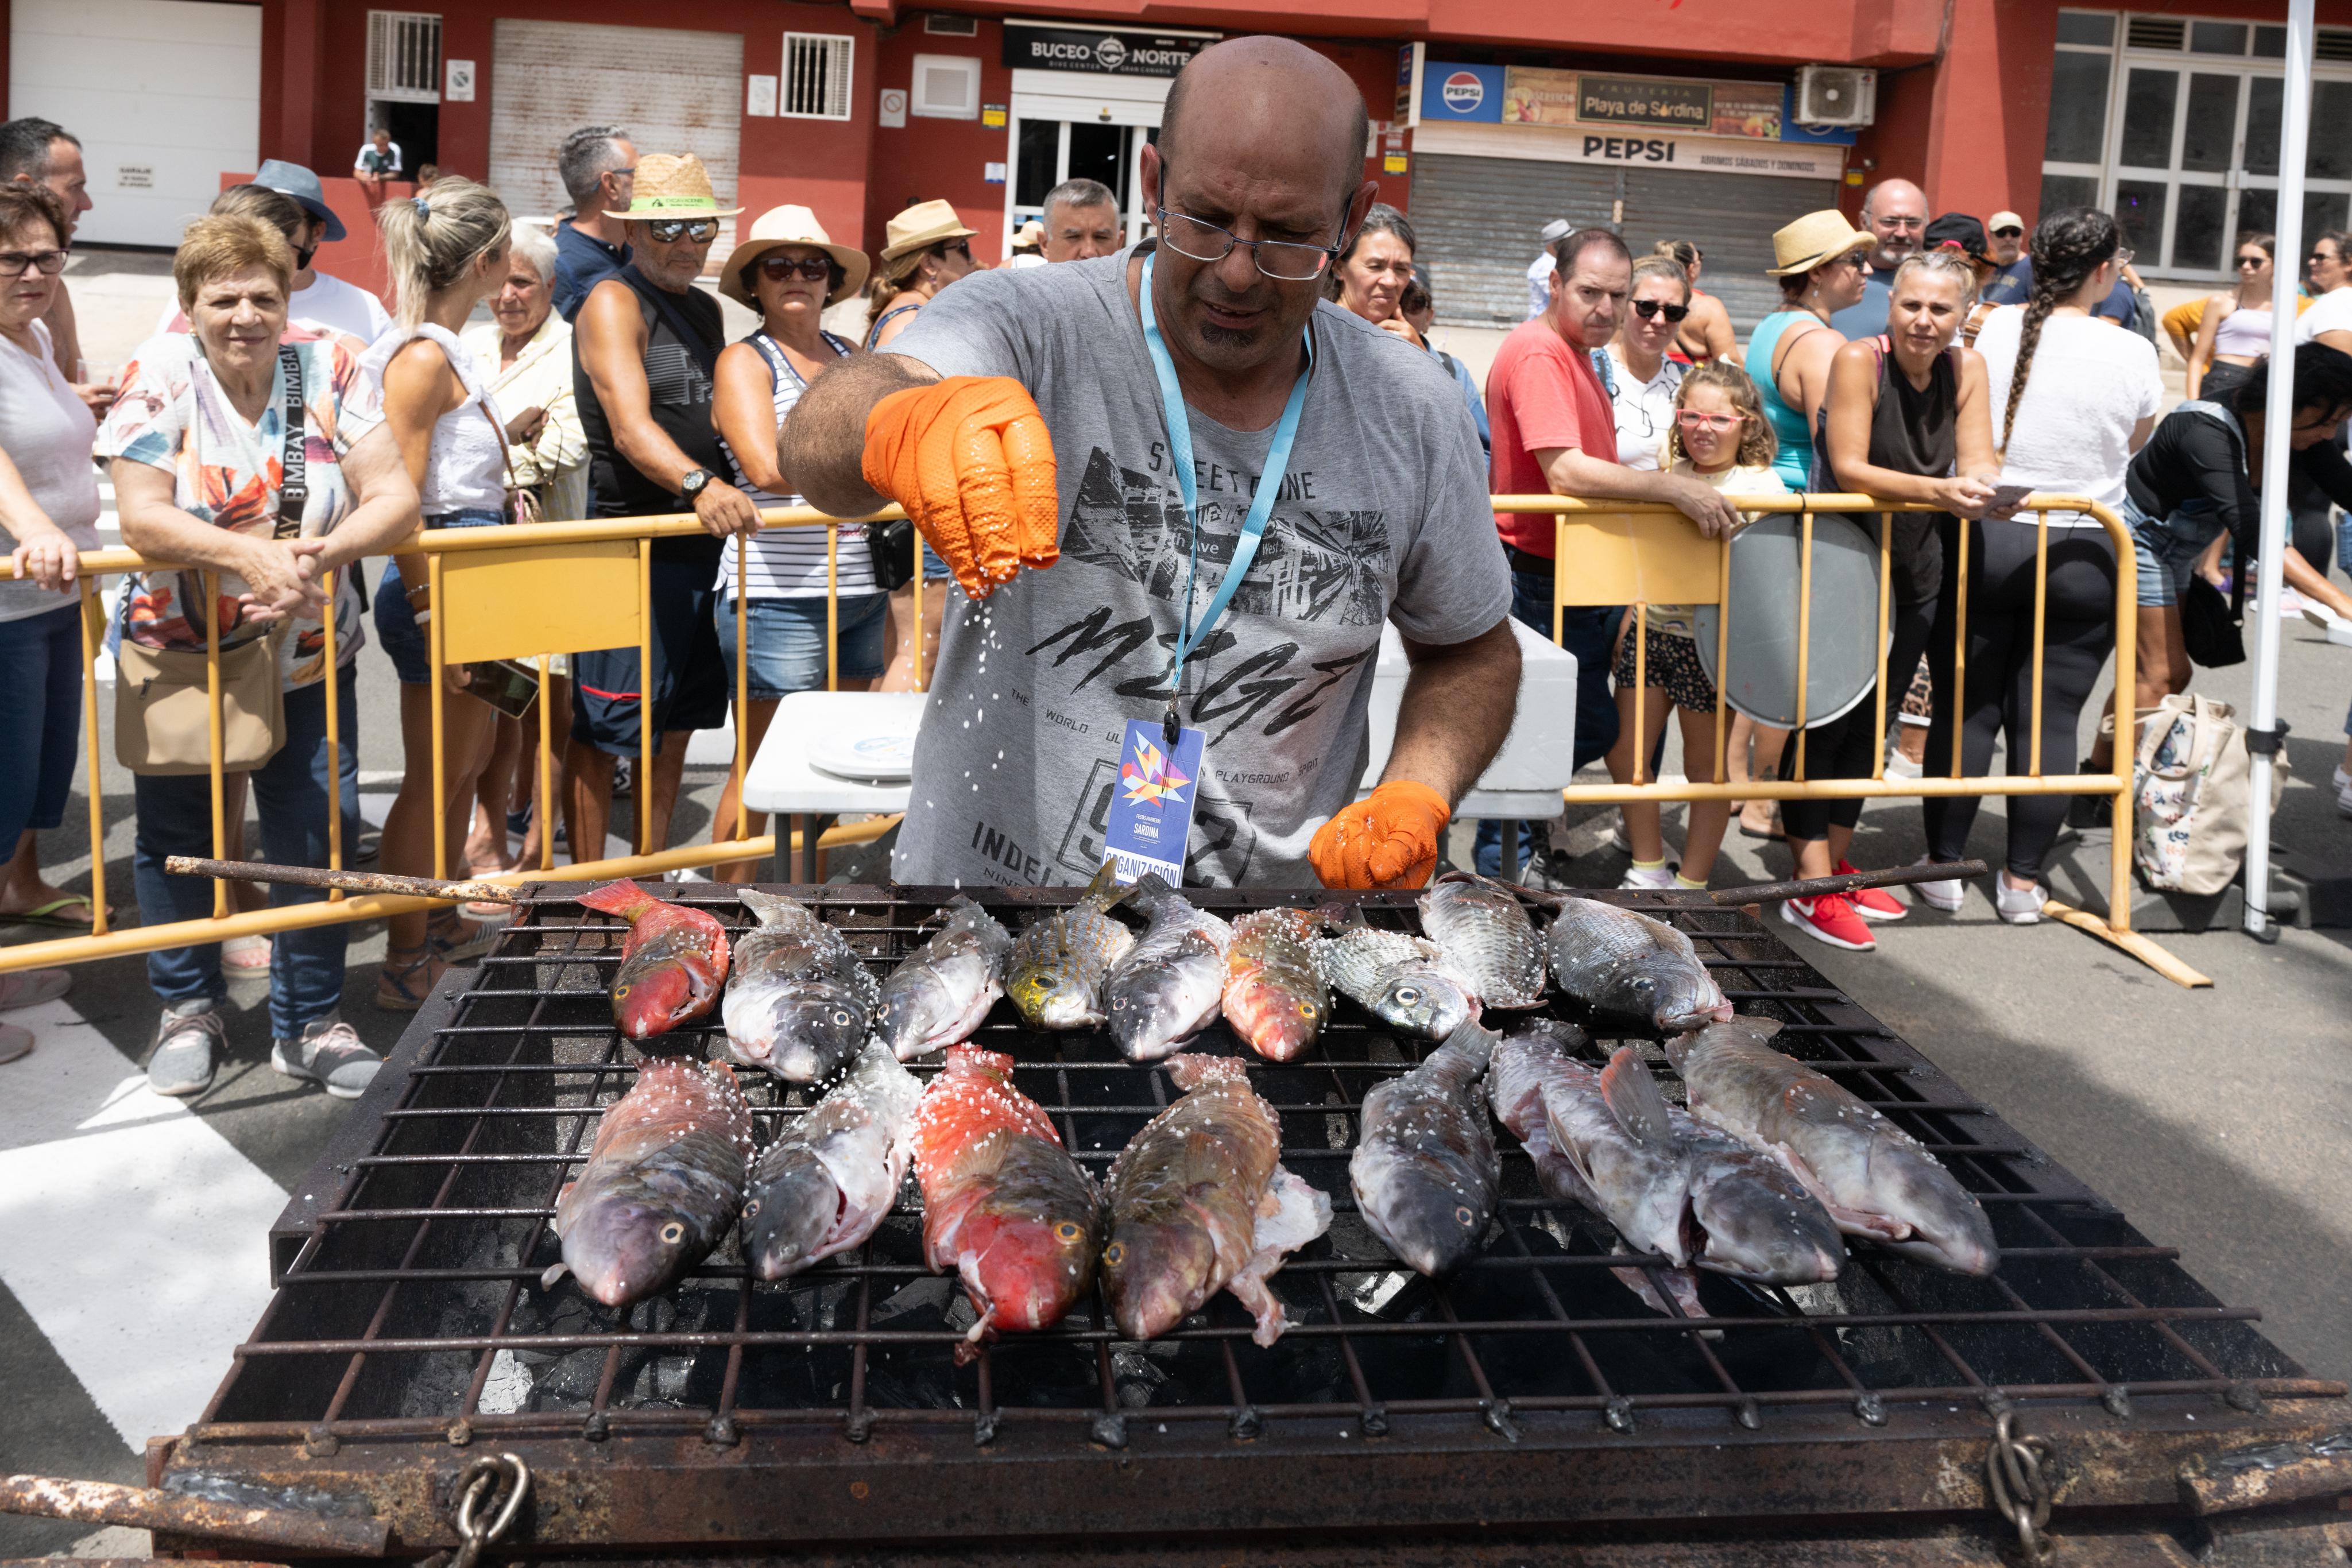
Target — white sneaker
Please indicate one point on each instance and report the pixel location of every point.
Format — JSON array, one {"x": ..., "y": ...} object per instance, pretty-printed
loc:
[
  {"x": 2338, "y": 628},
  {"x": 1947, "y": 893},
  {"x": 1649, "y": 878},
  {"x": 2017, "y": 906},
  {"x": 1901, "y": 766}
]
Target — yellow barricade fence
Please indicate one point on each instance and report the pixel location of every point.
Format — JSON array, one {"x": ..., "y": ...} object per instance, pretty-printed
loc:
[
  {"x": 516, "y": 593},
  {"x": 1641, "y": 554},
  {"x": 519, "y": 593}
]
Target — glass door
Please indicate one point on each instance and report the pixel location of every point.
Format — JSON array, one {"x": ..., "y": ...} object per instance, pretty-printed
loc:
[{"x": 1047, "y": 152}]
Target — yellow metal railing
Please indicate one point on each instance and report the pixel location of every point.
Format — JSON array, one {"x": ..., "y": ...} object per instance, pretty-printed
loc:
[{"x": 509, "y": 592}]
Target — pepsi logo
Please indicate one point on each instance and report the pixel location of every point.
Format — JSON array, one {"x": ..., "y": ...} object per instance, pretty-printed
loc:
[{"x": 1463, "y": 91}]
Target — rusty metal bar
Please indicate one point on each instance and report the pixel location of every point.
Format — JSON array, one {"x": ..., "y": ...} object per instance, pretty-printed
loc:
[{"x": 103, "y": 1502}]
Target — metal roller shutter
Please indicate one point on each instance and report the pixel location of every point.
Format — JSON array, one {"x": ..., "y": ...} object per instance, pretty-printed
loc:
[
  {"x": 1730, "y": 217},
  {"x": 1476, "y": 220},
  {"x": 672, "y": 91}
]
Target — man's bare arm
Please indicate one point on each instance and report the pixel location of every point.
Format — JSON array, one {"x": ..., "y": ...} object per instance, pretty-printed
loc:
[
  {"x": 823, "y": 442},
  {"x": 1456, "y": 710},
  {"x": 1573, "y": 473}
]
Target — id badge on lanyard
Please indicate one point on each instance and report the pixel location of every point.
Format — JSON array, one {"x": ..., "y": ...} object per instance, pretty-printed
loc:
[{"x": 1159, "y": 765}]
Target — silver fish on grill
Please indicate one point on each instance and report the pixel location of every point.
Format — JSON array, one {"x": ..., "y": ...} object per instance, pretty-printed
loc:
[
  {"x": 1488, "y": 938},
  {"x": 1402, "y": 981},
  {"x": 825, "y": 1185},
  {"x": 800, "y": 1003},
  {"x": 1425, "y": 1173},
  {"x": 1170, "y": 984},
  {"x": 943, "y": 990},
  {"x": 1622, "y": 962},
  {"x": 1872, "y": 1178}
]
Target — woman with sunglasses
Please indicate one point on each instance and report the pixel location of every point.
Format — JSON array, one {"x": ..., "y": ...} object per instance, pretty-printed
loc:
[
  {"x": 789, "y": 270},
  {"x": 1706, "y": 335},
  {"x": 2235, "y": 328},
  {"x": 1636, "y": 366},
  {"x": 925, "y": 248}
]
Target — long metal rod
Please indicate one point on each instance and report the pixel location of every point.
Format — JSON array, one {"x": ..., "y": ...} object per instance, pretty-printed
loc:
[
  {"x": 103, "y": 1502},
  {"x": 1852, "y": 882},
  {"x": 344, "y": 881},
  {"x": 2278, "y": 415}
]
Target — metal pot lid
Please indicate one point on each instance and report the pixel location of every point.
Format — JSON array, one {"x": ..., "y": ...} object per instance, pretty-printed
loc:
[{"x": 1765, "y": 574}]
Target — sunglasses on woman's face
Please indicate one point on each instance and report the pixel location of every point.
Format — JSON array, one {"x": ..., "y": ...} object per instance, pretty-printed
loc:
[
  {"x": 1648, "y": 309},
  {"x": 961, "y": 247},
  {"x": 2253, "y": 261},
  {"x": 815, "y": 269},
  {"x": 670, "y": 231}
]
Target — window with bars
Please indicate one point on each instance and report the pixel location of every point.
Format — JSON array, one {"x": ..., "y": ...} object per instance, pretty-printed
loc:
[
  {"x": 2172, "y": 123},
  {"x": 404, "y": 56},
  {"x": 816, "y": 76}
]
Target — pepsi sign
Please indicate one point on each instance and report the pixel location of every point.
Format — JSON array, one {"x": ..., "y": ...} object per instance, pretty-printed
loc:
[{"x": 1461, "y": 92}]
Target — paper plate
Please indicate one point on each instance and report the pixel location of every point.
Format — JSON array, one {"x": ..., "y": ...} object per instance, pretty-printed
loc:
[
  {"x": 865, "y": 758},
  {"x": 1842, "y": 664}
]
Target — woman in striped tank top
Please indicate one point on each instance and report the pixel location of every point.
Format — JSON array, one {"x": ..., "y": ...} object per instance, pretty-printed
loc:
[{"x": 789, "y": 270}]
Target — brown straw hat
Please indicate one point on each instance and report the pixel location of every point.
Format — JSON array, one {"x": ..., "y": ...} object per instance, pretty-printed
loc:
[
  {"x": 924, "y": 224},
  {"x": 1814, "y": 239},
  {"x": 671, "y": 187},
  {"x": 781, "y": 226}
]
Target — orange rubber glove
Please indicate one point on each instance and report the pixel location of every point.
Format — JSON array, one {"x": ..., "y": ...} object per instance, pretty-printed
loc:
[
  {"x": 970, "y": 459},
  {"x": 1387, "y": 839}
]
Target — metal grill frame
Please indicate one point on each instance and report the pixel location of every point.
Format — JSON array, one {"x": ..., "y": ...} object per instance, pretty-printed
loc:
[{"x": 2079, "y": 1292}]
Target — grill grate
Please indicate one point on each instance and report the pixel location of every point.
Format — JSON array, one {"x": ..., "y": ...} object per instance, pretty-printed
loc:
[{"x": 407, "y": 1301}]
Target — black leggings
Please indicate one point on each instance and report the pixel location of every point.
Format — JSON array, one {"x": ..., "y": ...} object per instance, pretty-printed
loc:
[
  {"x": 1848, "y": 746},
  {"x": 2078, "y": 635}
]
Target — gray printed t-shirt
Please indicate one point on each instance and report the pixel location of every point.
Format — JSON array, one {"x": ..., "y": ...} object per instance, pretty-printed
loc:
[{"x": 1383, "y": 516}]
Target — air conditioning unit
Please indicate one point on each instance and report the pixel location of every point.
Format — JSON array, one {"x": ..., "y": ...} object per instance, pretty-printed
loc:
[
  {"x": 1837, "y": 95},
  {"x": 946, "y": 87}
]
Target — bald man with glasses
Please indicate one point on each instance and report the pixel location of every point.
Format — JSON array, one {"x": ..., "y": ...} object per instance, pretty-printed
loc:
[{"x": 1897, "y": 212}]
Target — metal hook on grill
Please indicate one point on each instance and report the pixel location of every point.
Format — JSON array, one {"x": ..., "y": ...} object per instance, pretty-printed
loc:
[
  {"x": 479, "y": 1480},
  {"x": 2020, "y": 1491}
]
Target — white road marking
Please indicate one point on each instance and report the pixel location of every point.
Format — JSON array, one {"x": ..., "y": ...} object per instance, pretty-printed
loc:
[{"x": 134, "y": 1234}]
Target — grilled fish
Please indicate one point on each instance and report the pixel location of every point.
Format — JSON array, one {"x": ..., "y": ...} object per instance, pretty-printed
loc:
[
  {"x": 1756, "y": 1220},
  {"x": 940, "y": 993},
  {"x": 1425, "y": 1172},
  {"x": 1488, "y": 938},
  {"x": 1872, "y": 1178},
  {"x": 824, "y": 1185},
  {"x": 1003, "y": 1204},
  {"x": 663, "y": 1181},
  {"x": 673, "y": 962},
  {"x": 1401, "y": 980},
  {"x": 802, "y": 1004},
  {"x": 1620, "y": 962},
  {"x": 1169, "y": 984},
  {"x": 1055, "y": 972},
  {"x": 1274, "y": 994},
  {"x": 1199, "y": 1202}
]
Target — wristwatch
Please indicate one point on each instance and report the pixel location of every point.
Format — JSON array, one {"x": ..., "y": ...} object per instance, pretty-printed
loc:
[{"x": 693, "y": 484}]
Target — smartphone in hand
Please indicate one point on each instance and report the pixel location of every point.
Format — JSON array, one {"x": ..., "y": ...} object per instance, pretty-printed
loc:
[{"x": 2005, "y": 498}]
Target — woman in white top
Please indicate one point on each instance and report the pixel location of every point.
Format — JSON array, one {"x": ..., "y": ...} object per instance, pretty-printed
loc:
[
  {"x": 2235, "y": 329},
  {"x": 1643, "y": 382},
  {"x": 48, "y": 514},
  {"x": 524, "y": 357},
  {"x": 789, "y": 270},
  {"x": 448, "y": 253},
  {"x": 2072, "y": 399}
]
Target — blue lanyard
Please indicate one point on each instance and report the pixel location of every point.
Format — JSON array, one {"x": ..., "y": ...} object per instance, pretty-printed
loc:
[{"x": 1269, "y": 485}]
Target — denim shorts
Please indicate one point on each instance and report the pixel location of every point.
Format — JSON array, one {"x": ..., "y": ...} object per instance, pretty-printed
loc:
[
  {"x": 788, "y": 642},
  {"x": 2166, "y": 550},
  {"x": 396, "y": 623}
]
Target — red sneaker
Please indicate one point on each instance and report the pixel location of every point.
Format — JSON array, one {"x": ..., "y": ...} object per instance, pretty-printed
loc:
[
  {"x": 1873, "y": 902},
  {"x": 1829, "y": 919}
]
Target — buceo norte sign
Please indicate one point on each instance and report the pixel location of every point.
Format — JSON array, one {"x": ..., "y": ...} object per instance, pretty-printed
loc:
[{"x": 1101, "y": 53}]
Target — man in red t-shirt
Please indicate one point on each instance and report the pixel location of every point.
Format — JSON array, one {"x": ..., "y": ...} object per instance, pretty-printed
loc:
[{"x": 1554, "y": 430}]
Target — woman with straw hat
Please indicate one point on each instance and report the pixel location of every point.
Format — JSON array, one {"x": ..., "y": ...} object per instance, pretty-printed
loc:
[{"x": 789, "y": 270}]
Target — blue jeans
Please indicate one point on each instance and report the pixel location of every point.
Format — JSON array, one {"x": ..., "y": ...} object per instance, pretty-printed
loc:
[
  {"x": 788, "y": 642},
  {"x": 1586, "y": 631},
  {"x": 2166, "y": 548},
  {"x": 40, "y": 660},
  {"x": 175, "y": 817}
]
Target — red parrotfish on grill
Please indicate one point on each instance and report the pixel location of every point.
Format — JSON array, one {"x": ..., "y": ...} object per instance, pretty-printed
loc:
[
  {"x": 663, "y": 1183},
  {"x": 673, "y": 964},
  {"x": 1003, "y": 1204}
]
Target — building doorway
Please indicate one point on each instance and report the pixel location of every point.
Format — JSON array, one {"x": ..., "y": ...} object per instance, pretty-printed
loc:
[{"x": 1067, "y": 125}]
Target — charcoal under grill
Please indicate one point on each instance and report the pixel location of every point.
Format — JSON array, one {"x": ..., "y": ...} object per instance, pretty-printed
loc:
[{"x": 1398, "y": 1418}]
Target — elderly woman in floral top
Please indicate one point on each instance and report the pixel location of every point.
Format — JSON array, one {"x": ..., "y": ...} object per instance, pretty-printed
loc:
[{"x": 198, "y": 442}]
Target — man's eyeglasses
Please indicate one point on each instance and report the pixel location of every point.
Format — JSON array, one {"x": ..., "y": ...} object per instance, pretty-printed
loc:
[
  {"x": 1692, "y": 418},
  {"x": 16, "y": 263},
  {"x": 1648, "y": 309},
  {"x": 2009, "y": 233},
  {"x": 815, "y": 268},
  {"x": 670, "y": 231},
  {"x": 1283, "y": 260}
]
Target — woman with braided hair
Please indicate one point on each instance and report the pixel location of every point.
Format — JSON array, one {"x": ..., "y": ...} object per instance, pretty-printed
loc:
[{"x": 2073, "y": 399}]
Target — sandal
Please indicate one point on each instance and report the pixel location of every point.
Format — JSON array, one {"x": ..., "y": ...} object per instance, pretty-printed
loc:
[
  {"x": 246, "y": 955},
  {"x": 407, "y": 977},
  {"x": 453, "y": 941},
  {"x": 47, "y": 914}
]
